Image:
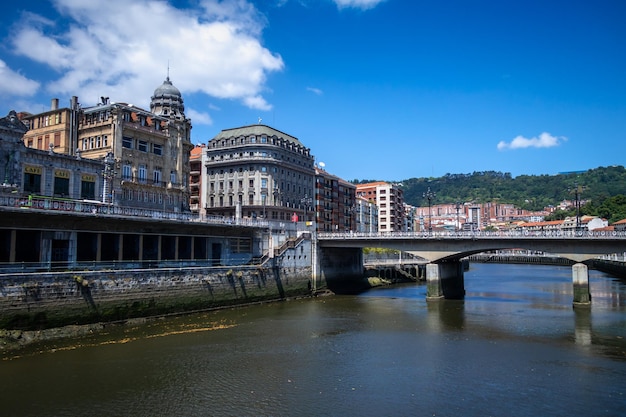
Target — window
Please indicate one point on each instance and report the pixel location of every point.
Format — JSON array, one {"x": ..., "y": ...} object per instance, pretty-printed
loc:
[
  {"x": 105, "y": 141},
  {"x": 157, "y": 149},
  {"x": 127, "y": 173},
  {"x": 127, "y": 143},
  {"x": 142, "y": 174},
  {"x": 98, "y": 142},
  {"x": 157, "y": 176},
  {"x": 263, "y": 182},
  {"x": 88, "y": 187},
  {"x": 62, "y": 183},
  {"x": 32, "y": 179},
  {"x": 142, "y": 145},
  {"x": 173, "y": 177}
]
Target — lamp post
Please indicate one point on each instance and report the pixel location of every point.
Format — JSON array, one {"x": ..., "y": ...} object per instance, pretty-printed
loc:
[
  {"x": 457, "y": 206},
  {"x": 264, "y": 201},
  {"x": 429, "y": 195},
  {"x": 306, "y": 200},
  {"x": 353, "y": 211},
  {"x": 109, "y": 162},
  {"x": 578, "y": 189}
]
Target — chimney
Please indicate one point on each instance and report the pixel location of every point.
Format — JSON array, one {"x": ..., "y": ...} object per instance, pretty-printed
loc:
[{"x": 55, "y": 104}]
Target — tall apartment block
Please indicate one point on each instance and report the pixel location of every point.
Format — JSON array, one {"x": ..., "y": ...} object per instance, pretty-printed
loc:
[
  {"x": 390, "y": 202},
  {"x": 336, "y": 208}
]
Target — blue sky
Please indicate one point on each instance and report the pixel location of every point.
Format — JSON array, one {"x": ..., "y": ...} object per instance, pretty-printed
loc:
[{"x": 378, "y": 89}]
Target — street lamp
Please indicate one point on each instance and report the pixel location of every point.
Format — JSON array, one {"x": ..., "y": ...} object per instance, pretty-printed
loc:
[
  {"x": 429, "y": 195},
  {"x": 109, "y": 163},
  {"x": 353, "y": 211},
  {"x": 578, "y": 189},
  {"x": 306, "y": 200}
]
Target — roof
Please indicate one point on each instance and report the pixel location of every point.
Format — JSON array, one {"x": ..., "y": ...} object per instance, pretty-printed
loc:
[
  {"x": 322, "y": 173},
  {"x": 541, "y": 224},
  {"x": 256, "y": 130},
  {"x": 196, "y": 152},
  {"x": 372, "y": 184}
]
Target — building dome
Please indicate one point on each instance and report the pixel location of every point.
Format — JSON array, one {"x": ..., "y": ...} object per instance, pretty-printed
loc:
[
  {"x": 167, "y": 89},
  {"x": 167, "y": 101}
]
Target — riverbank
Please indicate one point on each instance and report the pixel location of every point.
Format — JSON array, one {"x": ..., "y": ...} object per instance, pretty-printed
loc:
[{"x": 14, "y": 341}]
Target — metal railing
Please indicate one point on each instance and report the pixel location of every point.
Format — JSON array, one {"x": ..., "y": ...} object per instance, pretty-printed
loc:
[
  {"x": 581, "y": 234},
  {"x": 96, "y": 208}
]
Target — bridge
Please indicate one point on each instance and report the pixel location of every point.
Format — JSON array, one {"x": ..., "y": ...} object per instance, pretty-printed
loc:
[{"x": 444, "y": 250}]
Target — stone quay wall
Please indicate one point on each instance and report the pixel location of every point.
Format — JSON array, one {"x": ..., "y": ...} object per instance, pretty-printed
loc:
[
  {"x": 46, "y": 300},
  {"x": 616, "y": 268}
]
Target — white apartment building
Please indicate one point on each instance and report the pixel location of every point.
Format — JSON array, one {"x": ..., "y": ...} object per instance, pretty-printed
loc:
[{"x": 389, "y": 200}]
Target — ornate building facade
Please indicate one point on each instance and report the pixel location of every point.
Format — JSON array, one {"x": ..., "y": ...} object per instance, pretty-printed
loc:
[
  {"x": 257, "y": 171},
  {"x": 145, "y": 153},
  {"x": 37, "y": 177}
]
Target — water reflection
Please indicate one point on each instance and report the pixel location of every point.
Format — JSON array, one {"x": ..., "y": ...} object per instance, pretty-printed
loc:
[
  {"x": 582, "y": 326},
  {"x": 446, "y": 315}
]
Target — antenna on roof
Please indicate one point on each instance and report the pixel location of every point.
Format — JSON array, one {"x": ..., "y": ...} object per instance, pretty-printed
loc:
[
  {"x": 260, "y": 120},
  {"x": 322, "y": 165}
]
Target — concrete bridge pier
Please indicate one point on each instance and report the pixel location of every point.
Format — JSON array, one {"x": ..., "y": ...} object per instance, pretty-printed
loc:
[
  {"x": 445, "y": 280},
  {"x": 580, "y": 280}
]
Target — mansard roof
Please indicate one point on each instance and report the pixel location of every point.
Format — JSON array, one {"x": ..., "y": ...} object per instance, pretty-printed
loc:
[{"x": 256, "y": 130}]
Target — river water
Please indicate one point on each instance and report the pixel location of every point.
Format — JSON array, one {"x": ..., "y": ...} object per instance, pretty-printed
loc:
[{"x": 513, "y": 347}]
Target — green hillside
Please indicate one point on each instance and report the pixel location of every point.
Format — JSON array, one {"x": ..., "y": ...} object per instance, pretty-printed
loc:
[{"x": 604, "y": 186}]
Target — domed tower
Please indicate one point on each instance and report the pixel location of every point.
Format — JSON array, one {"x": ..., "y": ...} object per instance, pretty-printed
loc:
[{"x": 167, "y": 101}]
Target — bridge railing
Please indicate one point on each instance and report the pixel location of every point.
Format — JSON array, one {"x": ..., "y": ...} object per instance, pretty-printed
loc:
[{"x": 545, "y": 234}]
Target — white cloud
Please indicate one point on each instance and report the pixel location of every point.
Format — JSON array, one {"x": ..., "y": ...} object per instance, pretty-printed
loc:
[
  {"x": 545, "y": 140},
  {"x": 199, "y": 118},
  {"x": 315, "y": 90},
  {"x": 14, "y": 83},
  {"x": 123, "y": 49},
  {"x": 358, "y": 4}
]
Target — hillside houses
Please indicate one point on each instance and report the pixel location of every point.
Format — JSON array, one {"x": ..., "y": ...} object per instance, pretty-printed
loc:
[{"x": 569, "y": 224}]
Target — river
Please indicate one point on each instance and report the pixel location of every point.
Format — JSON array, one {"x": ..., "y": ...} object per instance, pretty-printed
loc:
[{"x": 513, "y": 347}]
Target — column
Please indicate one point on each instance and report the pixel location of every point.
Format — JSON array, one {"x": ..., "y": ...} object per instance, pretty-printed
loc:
[
  {"x": 433, "y": 283},
  {"x": 580, "y": 280}
]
